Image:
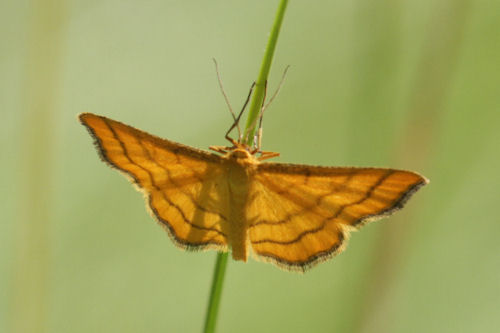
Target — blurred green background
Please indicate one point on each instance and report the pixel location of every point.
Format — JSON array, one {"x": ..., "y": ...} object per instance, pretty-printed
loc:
[{"x": 403, "y": 84}]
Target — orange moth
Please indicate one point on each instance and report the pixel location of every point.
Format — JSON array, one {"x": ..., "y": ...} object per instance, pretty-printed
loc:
[{"x": 294, "y": 216}]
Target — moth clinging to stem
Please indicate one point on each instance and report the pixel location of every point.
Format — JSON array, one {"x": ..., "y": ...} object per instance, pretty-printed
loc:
[{"x": 292, "y": 215}]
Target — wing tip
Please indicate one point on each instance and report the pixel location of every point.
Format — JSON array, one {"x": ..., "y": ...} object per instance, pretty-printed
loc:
[
  {"x": 397, "y": 205},
  {"x": 85, "y": 116}
]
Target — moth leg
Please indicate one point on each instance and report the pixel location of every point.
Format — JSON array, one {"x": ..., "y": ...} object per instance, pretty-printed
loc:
[
  {"x": 258, "y": 137},
  {"x": 237, "y": 120},
  {"x": 264, "y": 155},
  {"x": 219, "y": 149}
]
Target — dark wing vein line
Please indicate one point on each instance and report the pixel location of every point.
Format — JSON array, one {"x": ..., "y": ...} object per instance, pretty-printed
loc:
[
  {"x": 298, "y": 199},
  {"x": 312, "y": 260},
  {"x": 178, "y": 186},
  {"x": 330, "y": 218},
  {"x": 148, "y": 172}
]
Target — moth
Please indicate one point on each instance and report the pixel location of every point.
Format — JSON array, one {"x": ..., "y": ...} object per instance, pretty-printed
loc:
[{"x": 294, "y": 216}]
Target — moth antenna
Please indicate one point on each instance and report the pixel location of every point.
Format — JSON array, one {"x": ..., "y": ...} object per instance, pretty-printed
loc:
[
  {"x": 277, "y": 89},
  {"x": 258, "y": 136},
  {"x": 225, "y": 95}
]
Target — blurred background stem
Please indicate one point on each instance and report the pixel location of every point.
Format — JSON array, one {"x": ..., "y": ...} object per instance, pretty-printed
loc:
[
  {"x": 29, "y": 307},
  {"x": 431, "y": 86}
]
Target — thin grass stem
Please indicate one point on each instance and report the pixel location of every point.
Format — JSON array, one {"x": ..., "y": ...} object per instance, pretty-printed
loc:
[
  {"x": 260, "y": 84},
  {"x": 215, "y": 292}
]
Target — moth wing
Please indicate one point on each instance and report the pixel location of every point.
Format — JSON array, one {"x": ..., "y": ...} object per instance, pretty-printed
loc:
[
  {"x": 301, "y": 215},
  {"x": 183, "y": 186}
]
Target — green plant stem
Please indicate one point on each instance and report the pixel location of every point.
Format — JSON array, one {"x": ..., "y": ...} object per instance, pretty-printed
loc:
[
  {"x": 260, "y": 84},
  {"x": 253, "y": 114},
  {"x": 215, "y": 293}
]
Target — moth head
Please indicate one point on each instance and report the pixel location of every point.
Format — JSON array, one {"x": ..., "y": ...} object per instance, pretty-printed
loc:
[{"x": 239, "y": 153}]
